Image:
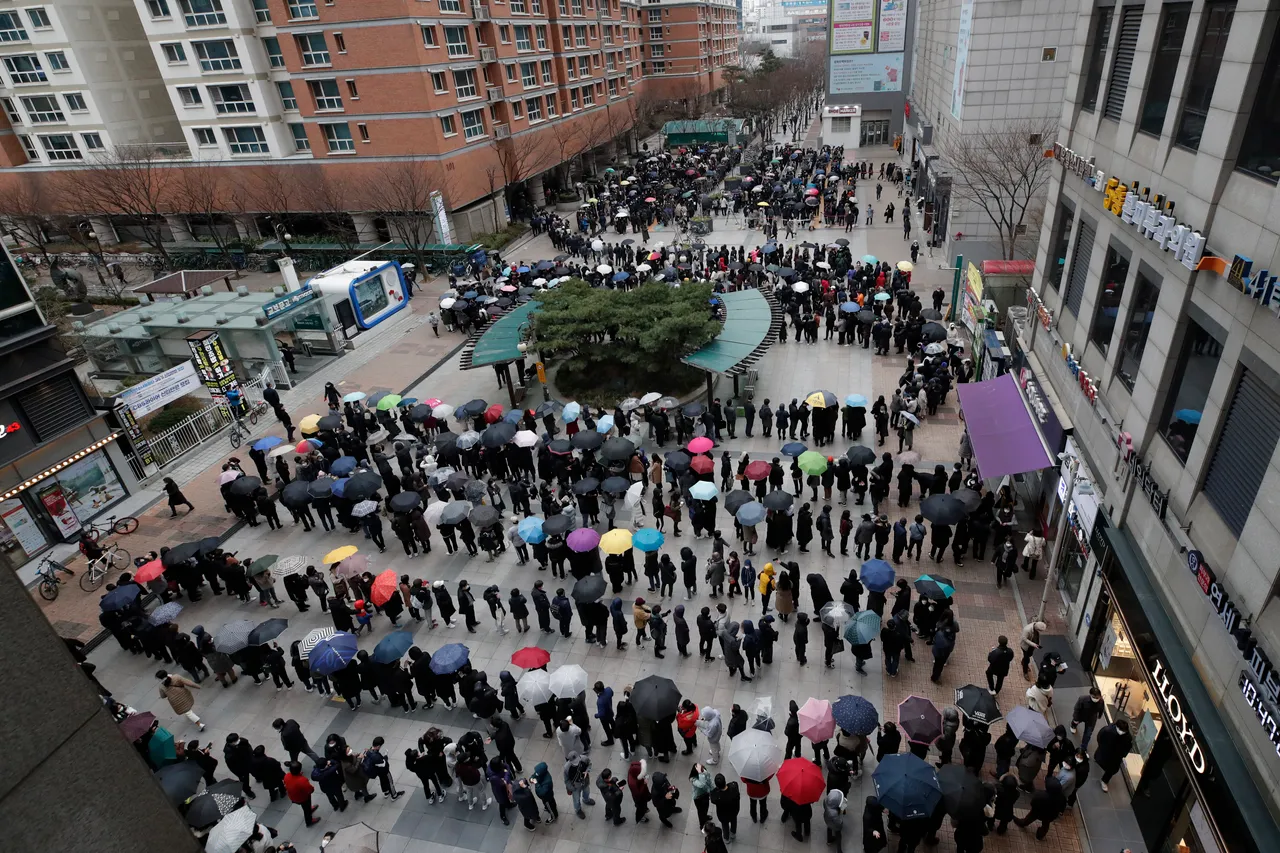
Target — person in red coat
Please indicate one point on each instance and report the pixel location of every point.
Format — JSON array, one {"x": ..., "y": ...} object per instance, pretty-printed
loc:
[
  {"x": 300, "y": 789},
  {"x": 687, "y": 725}
]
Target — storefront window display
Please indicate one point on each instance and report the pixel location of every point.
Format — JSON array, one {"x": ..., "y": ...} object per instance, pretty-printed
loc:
[
  {"x": 20, "y": 535},
  {"x": 78, "y": 493}
]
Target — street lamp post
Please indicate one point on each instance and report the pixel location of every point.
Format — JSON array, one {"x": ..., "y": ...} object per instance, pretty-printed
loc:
[
  {"x": 1050, "y": 574},
  {"x": 87, "y": 230}
]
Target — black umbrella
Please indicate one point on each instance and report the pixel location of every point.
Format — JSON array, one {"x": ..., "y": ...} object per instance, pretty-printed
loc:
[
  {"x": 362, "y": 486},
  {"x": 320, "y": 488},
  {"x": 977, "y": 704},
  {"x": 962, "y": 794},
  {"x": 405, "y": 502},
  {"x": 933, "y": 333},
  {"x": 470, "y": 409},
  {"x": 694, "y": 410},
  {"x": 330, "y": 422},
  {"x": 496, "y": 435},
  {"x": 943, "y": 509},
  {"x": 296, "y": 495},
  {"x": 866, "y": 318},
  {"x": 445, "y": 439},
  {"x": 860, "y": 455},
  {"x": 968, "y": 497},
  {"x": 560, "y": 446},
  {"x": 919, "y": 719},
  {"x": 549, "y": 407},
  {"x": 475, "y": 490},
  {"x": 677, "y": 460},
  {"x": 618, "y": 449},
  {"x": 214, "y": 803},
  {"x": 180, "y": 780},
  {"x": 655, "y": 697},
  {"x": 267, "y": 631},
  {"x": 420, "y": 413},
  {"x": 778, "y": 500},
  {"x": 737, "y": 499},
  {"x": 586, "y": 486},
  {"x": 244, "y": 486},
  {"x": 557, "y": 525},
  {"x": 454, "y": 512},
  {"x": 207, "y": 545},
  {"x": 930, "y": 314},
  {"x": 615, "y": 485},
  {"x": 483, "y": 516},
  {"x": 589, "y": 589},
  {"x": 587, "y": 440},
  {"x": 458, "y": 480},
  {"x": 935, "y": 587},
  {"x": 179, "y": 554}
]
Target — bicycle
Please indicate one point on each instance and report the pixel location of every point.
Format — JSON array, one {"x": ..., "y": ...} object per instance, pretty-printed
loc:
[
  {"x": 114, "y": 557},
  {"x": 49, "y": 580},
  {"x": 239, "y": 432},
  {"x": 125, "y": 525}
]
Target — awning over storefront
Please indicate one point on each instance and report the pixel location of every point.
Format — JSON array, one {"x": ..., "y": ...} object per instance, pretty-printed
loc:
[{"x": 1004, "y": 438}]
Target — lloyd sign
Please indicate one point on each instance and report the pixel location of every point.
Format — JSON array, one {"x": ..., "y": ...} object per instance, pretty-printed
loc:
[{"x": 1176, "y": 717}]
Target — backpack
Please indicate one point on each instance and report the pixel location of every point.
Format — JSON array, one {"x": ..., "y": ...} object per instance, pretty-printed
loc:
[{"x": 369, "y": 764}]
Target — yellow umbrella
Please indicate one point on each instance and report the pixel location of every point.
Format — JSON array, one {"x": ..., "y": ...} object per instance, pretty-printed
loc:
[
  {"x": 616, "y": 541},
  {"x": 309, "y": 424},
  {"x": 821, "y": 400},
  {"x": 337, "y": 555},
  {"x": 905, "y": 266},
  {"x": 762, "y": 204}
]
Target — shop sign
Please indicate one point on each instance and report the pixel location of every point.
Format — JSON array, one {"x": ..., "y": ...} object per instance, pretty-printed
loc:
[
  {"x": 1176, "y": 718},
  {"x": 1261, "y": 286},
  {"x": 1156, "y": 496},
  {"x": 1037, "y": 308},
  {"x": 1087, "y": 386},
  {"x": 5, "y": 429},
  {"x": 1042, "y": 410},
  {"x": 129, "y": 421},
  {"x": 212, "y": 364},
  {"x": 1259, "y": 681},
  {"x": 285, "y": 303},
  {"x": 1085, "y": 169}
]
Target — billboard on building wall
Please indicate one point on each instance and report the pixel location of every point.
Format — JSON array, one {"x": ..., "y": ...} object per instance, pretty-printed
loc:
[
  {"x": 859, "y": 75},
  {"x": 853, "y": 26},
  {"x": 892, "y": 34},
  {"x": 962, "y": 57}
]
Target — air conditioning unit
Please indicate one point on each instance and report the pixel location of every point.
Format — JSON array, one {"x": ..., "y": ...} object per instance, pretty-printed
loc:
[
  {"x": 501, "y": 131},
  {"x": 494, "y": 93},
  {"x": 481, "y": 11},
  {"x": 488, "y": 54}
]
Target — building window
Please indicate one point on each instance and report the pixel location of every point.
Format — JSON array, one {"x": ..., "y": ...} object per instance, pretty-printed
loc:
[
  {"x": 231, "y": 100},
  {"x": 1141, "y": 314},
  {"x": 447, "y": 127},
  {"x": 174, "y": 53},
  {"x": 450, "y": 5},
  {"x": 536, "y": 5},
  {"x": 576, "y": 5},
  {"x": 655, "y": 32},
  {"x": 528, "y": 74},
  {"x": 205, "y": 137},
  {"x": 29, "y": 147},
  {"x": 588, "y": 96},
  {"x": 261, "y": 11},
  {"x": 552, "y": 108},
  {"x": 1081, "y": 255},
  {"x": 542, "y": 38},
  {"x": 25, "y": 69},
  {"x": 217, "y": 55},
  {"x": 546, "y": 71},
  {"x": 657, "y": 50},
  {"x": 464, "y": 83},
  {"x": 511, "y": 73},
  {"x": 1058, "y": 248},
  {"x": 301, "y": 10},
  {"x": 473, "y": 124},
  {"x": 429, "y": 37},
  {"x": 1197, "y": 364},
  {"x": 301, "y": 142},
  {"x": 517, "y": 109},
  {"x": 1097, "y": 56},
  {"x": 364, "y": 131},
  {"x": 190, "y": 96},
  {"x": 613, "y": 88},
  {"x": 533, "y": 107},
  {"x": 1164, "y": 64},
  {"x": 246, "y": 140},
  {"x": 159, "y": 8},
  {"x": 1114, "y": 273},
  {"x": 288, "y": 100},
  {"x": 203, "y": 13},
  {"x": 524, "y": 38},
  {"x": 584, "y": 66},
  {"x": 57, "y": 61},
  {"x": 659, "y": 67},
  {"x": 61, "y": 147},
  {"x": 504, "y": 34},
  {"x": 340, "y": 42},
  {"x": 314, "y": 49},
  {"x": 580, "y": 36},
  {"x": 43, "y": 109},
  {"x": 439, "y": 81},
  {"x": 1260, "y": 148},
  {"x": 1122, "y": 65},
  {"x": 326, "y": 95},
  {"x": 841, "y": 124},
  {"x": 338, "y": 137},
  {"x": 92, "y": 141},
  {"x": 11, "y": 28},
  {"x": 655, "y": 16},
  {"x": 75, "y": 102},
  {"x": 11, "y": 111},
  {"x": 1205, "y": 63},
  {"x": 39, "y": 18},
  {"x": 455, "y": 38},
  {"x": 352, "y": 90}
]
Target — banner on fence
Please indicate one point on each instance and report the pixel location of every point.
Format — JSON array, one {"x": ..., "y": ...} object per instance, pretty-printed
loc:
[{"x": 158, "y": 391}]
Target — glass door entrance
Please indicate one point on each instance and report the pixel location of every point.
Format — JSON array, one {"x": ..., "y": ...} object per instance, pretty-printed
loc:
[{"x": 875, "y": 132}]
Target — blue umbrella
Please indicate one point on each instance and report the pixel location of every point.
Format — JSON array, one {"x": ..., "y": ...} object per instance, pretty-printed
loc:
[
  {"x": 571, "y": 412},
  {"x": 703, "y": 491},
  {"x": 647, "y": 539},
  {"x": 877, "y": 575},
  {"x": 870, "y": 259},
  {"x": 850, "y": 307},
  {"x": 120, "y": 597},
  {"x": 863, "y": 628},
  {"x": 471, "y": 294},
  {"x": 1187, "y": 416},
  {"x": 340, "y": 486},
  {"x": 793, "y": 448},
  {"x": 513, "y": 417},
  {"x": 621, "y": 276},
  {"x": 543, "y": 266},
  {"x": 165, "y": 613},
  {"x": 353, "y": 397},
  {"x": 530, "y": 530},
  {"x": 907, "y": 786},
  {"x": 604, "y": 424},
  {"x": 342, "y": 466},
  {"x": 331, "y": 655},
  {"x": 407, "y": 402},
  {"x": 392, "y": 647},
  {"x": 882, "y": 297},
  {"x": 770, "y": 247},
  {"x": 522, "y": 269},
  {"x": 855, "y": 714},
  {"x": 450, "y": 658},
  {"x": 751, "y": 514},
  {"x": 267, "y": 443},
  {"x": 856, "y": 400}
]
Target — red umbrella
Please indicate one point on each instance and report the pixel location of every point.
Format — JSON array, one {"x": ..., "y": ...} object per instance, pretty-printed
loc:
[
  {"x": 531, "y": 657},
  {"x": 758, "y": 470},
  {"x": 149, "y": 571},
  {"x": 385, "y": 585},
  {"x": 702, "y": 465},
  {"x": 800, "y": 780},
  {"x": 306, "y": 446},
  {"x": 493, "y": 414}
]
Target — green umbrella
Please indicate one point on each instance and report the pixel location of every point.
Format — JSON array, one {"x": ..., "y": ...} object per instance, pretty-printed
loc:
[
  {"x": 389, "y": 402},
  {"x": 812, "y": 462},
  {"x": 261, "y": 564}
]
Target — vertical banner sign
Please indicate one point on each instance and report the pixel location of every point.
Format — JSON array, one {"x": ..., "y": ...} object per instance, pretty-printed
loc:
[
  {"x": 443, "y": 231},
  {"x": 140, "y": 444},
  {"x": 892, "y": 36},
  {"x": 212, "y": 364},
  {"x": 962, "y": 57},
  {"x": 853, "y": 25}
]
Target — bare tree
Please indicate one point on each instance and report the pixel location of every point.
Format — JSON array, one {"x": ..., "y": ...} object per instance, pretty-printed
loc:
[
  {"x": 278, "y": 192},
  {"x": 135, "y": 181},
  {"x": 567, "y": 142},
  {"x": 204, "y": 191},
  {"x": 1002, "y": 171},
  {"x": 333, "y": 197},
  {"x": 25, "y": 208},
  {"x": 401, "y": 192}
]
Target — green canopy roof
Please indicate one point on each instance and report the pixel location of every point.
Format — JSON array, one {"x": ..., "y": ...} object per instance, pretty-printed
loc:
[
  {"x": 498, "y": 344},
  {"x": 747, "y": 318}
]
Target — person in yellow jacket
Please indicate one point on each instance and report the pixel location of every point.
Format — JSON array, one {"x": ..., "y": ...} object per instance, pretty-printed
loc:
[
  {"x": 766, "y": 587},
  {"x": 640, "y": 613}
]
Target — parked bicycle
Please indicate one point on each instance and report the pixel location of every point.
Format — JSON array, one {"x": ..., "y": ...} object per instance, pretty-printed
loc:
[
  {"x": 95, "y": 530},
  {"x": 239, "y": 430},
  {"x": 49, "y": 580},
  {"x": 114, "y": 558}
]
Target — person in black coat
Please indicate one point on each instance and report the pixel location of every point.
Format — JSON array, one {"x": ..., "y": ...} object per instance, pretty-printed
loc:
[
  {"x": 681, "y": 629},
  {"x": 268, "y": 771},
  {"x": 504, "y": 741},
  {"x": 818, "y": 590},
  {"x": 1114, "y": 743},
  {"x": 873, "y": 831},
  {"x": 237, "y": 754},
  {"x": 346, "y": 682},
  {"x": 706, "y": 634},
  {"x": 423, "y": 678},
  {"x": 801, "y": 637},
  {"x": 851, "y": 590},
  {"x": 542, "y": 604}
]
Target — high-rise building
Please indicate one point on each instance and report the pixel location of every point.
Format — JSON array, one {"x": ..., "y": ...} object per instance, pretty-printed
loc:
[
  {"x": 790, "y": 27},
  {"x": 869, "y": 51}
]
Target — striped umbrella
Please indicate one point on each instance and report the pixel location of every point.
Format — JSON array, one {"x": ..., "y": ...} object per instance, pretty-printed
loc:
[
  {"x": 234, "y": 636},
  {"x": 290, "y": 566},
  {"x": 231, "y": 832},
  {"x": 313, "y": 639}
]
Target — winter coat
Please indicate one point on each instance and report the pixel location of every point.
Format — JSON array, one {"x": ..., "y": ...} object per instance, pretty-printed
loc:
[
  {"x": 709, "y": 724},
  {"x": 640, "y": 615},
  {"x": 544, "y": 784},
  {"x": 1113, "y": 745},
  {"x": 833, "y": 810},
  {"x": 729, "y": 645},
  {"x": 681, "y": 626},
  {"x": 178, "y": 692}
]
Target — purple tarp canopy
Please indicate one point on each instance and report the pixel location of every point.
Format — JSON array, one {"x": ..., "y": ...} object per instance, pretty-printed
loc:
[{"x": 1004, "y": 438}]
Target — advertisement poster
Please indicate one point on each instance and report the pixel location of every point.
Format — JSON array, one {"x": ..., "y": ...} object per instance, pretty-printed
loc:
[
  {"x": 858, "y": 75},
  {"x": 56, "y": 505},
  {"x": 21, "y": 526},
  {"x": 962, "y": 57},
  {"x": 156, "y": 391},
  {"x": 853, "y": 24},
  {"x": 212, "y": 363},
  {"x": 89, "y": 486},
  {"x": 893, "y": 26}
]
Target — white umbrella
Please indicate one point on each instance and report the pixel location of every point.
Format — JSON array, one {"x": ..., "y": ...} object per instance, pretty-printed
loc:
[
  {"x": 290, "y": 566},
  {"x": 597, "y": 245},
  {"x": 800, "y": 287},
  {"x": 823, "y": 265},
  {"x": 538, "y": 282},
  {"x": 364, "y": 508},
  {"x": 604, "y": 269},
  {"x": 356, "y": 838},
  {"x": 448, "y": 303},
  {"x": 282, "y": 450},
  {"x": 442, "y": 411},
  {"x": 643, "y": 267},
  {"x": 534, "y": 687},
  {"x": 525, "y": 438},
  {"x": 433, "y": 511},
  {"x": 231, "y": 832},
  {"x": 634, "y": 495},
  {"x": 407, "y": 266},
  {"x": 755, "y": 755},
  {"x": 569, "y": 680},
  {"x": 313, "y": 639},
  {"x": 227, "y": 476},
  {"x": 911, "y": 418}
]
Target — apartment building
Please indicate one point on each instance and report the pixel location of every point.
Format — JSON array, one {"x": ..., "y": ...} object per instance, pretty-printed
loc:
[
  {"x": 486, "y": 93},
  {"x": 1149, "y": 357},
  {"x": 75, "y": 79}
]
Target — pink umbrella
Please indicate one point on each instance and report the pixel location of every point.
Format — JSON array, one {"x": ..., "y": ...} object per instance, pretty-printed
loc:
[
  {"x": 583, "y": 539},
  {"x": 701, "y": 444},
  {"x": 227, "y": 476},
  {"x": 816, "y": 722},
  {"x": 353, "y": 565},
  {"x": 433, "y": 402}
]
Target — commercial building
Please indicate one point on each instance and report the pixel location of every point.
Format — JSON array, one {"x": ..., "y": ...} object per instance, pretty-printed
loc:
[
  {"x": 790, "y": 27},
  {"x": 319, "y": 104},
  {"x": 869, "y": 65},
  {"x": 981, "y": 66},
  {"x": 1147, "y": 354}
]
